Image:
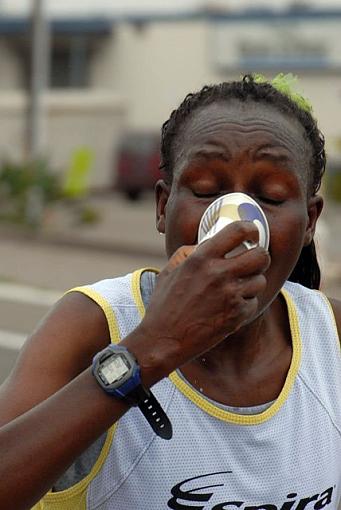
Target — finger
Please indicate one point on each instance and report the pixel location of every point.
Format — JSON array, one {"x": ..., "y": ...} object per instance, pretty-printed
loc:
[
  {"x": 250, "y": 310},
  {"x": 247, "y": 312},
  {"x": 229, "y": 238},
  {"x": 252, "y": 287},
  {"x": 251, "y": 262},
  {"x": 246, "y": 264}
]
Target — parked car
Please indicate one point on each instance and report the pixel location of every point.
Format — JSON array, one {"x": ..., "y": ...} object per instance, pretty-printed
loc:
[{"x": 138, "y": 164}]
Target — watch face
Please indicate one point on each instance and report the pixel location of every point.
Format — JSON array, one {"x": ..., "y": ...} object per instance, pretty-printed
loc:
[{"x": 113, "y": 369}]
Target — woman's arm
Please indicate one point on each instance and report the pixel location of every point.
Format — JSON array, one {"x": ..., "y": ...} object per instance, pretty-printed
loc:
[
  {"x": 62, "y": 346},
  {"x": 46, "y": 421},
  {"x": 51, "y": 408},
  {"x": 38, "y": 446}
]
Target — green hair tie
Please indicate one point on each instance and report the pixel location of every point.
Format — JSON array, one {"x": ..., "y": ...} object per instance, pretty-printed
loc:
[{"x": 285, "y": 83}]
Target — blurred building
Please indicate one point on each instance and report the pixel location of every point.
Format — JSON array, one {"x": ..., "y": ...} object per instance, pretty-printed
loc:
[{"x": 116, "y": 72}]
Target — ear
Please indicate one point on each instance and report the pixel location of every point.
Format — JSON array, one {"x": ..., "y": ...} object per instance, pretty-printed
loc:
[
  {"x": 162, "y": 190},
  {"x": 315, "y": 206}
]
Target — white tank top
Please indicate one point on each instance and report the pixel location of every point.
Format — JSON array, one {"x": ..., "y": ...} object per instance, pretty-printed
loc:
[{"x": 287, "y": 457}]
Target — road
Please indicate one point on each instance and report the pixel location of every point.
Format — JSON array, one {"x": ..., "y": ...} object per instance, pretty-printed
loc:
[{"x": 21, "y": 308}]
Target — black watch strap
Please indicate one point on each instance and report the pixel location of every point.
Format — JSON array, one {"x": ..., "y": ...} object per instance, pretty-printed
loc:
[
  {"x": 152, "y": 411},
  {"x": 156, "y": 416}
]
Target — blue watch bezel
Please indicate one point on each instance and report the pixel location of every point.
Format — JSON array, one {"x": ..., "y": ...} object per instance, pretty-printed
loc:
[
  {"x": 126, "y": 384},
  {"x": 130, "y": 389}
]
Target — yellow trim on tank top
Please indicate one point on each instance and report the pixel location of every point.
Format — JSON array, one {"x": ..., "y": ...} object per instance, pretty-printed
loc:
[
  {"x": 107, "y": 310},
  {"x": 75, "y": 497},
  {"x": 216, "y": 411},
  {"x": 136, "y": 287}
]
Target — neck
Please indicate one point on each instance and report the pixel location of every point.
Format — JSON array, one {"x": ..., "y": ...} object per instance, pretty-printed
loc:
[
  {"x": 260, "y": 339},
  {"x": 253, "y": 361},
  {"x": 240, "y": 349}
]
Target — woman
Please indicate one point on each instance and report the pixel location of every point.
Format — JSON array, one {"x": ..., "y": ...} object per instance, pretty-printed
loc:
[{"x": 252, "y": 402}]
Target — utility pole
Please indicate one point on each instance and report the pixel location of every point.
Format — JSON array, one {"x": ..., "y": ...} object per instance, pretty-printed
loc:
[{"x": 40, "y": 57}]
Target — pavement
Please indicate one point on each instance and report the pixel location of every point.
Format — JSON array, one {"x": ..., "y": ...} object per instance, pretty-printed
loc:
[
  {"x": 65, "y": 253},
  {"x": 123, "y": 226}
]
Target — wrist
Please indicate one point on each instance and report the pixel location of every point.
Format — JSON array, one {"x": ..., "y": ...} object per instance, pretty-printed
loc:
[
  {"x": 156, "y": 356},
  {"x": 118, "y": 372}
]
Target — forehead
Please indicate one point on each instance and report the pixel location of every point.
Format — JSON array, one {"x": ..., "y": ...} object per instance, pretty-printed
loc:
[{"x": 237, "y": 129}]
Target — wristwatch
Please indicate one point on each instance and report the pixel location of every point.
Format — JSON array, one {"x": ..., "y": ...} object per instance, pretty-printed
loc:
[{"x": 118, "y": 373}]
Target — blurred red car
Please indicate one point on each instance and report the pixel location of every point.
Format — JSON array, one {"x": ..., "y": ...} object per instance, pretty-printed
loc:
[{"x": 138, "y": 164}]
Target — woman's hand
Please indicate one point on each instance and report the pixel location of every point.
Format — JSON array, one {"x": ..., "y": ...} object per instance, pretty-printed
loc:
[{"x": 201, "y": 297}]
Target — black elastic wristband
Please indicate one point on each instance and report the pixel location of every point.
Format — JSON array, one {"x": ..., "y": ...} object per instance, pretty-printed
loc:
[{"x": 155, "y": 415}]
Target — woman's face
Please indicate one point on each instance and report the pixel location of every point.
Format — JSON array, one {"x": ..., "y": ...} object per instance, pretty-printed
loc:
[{"x": 250, "y": 148}]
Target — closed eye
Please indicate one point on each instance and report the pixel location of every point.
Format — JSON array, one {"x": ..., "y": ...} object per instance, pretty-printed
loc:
[
  {"x": 271, "y": 201},
  {"x": 205, "y": 195}
]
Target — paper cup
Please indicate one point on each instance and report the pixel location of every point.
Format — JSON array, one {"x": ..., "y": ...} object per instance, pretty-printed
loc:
[{"x": 234, "y": 207}]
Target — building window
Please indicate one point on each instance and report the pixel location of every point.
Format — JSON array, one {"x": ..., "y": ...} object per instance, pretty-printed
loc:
[{"x": 70, "y": 62}]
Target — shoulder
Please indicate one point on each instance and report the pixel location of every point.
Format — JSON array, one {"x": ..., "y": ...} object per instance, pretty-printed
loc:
[
  {"x": 115, "y": 289},
  {"x": 67, "y": 338}
]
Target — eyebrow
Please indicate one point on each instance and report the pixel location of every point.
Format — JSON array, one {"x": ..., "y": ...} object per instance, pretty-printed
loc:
[
  {"x": 266, "y": 152},
  {"x": 213, "y": 154}
]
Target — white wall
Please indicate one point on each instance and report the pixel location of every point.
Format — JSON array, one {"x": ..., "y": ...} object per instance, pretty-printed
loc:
[
  {"x": 154, "y": 67},
  {"x": 73, "y": 120}
]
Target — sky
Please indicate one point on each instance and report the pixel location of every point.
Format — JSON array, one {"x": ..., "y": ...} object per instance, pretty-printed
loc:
[{"x": 93, "y": 7}]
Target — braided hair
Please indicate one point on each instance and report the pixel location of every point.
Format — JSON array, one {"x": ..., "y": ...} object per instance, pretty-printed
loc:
[{"x": 249, "y": 88}]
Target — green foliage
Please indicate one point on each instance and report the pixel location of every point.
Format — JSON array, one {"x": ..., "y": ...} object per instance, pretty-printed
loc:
[
  {"x": 19, "y": 178},
  {"x": 88, "y": 215},
  {"x": 25, "y": 190},
  {"x": 31, "y": 189}
]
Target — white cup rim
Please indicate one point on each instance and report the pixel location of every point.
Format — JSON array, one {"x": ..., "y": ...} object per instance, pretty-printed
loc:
[{"x": 234, "y": 198}]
